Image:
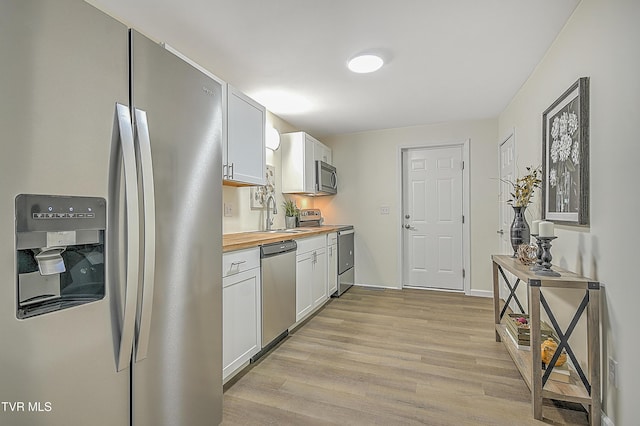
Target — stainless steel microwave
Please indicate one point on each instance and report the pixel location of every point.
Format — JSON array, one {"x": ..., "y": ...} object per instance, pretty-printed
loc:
[{"x": 326, "y": 179}]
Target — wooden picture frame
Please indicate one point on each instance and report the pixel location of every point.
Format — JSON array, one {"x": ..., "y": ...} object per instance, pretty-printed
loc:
[{"x": 565, "y": 157}]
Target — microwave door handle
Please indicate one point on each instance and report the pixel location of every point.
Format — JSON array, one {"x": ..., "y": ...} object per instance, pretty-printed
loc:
[
  {"x": 149, "y": 250},
  {"x": 334, "y": 180},
  {"x": 318, "y": 175},
  {"x": 123, "y": 123}
]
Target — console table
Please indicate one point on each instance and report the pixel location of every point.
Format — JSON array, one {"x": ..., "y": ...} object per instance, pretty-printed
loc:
[{"x": 580, "y": 389}]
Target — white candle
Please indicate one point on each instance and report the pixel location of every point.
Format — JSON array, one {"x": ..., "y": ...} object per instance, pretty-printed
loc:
[
  {"x": 545, "y": 229},
  {"x": 535, "y": 227}
]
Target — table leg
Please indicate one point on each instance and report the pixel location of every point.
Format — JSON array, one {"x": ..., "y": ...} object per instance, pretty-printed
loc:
[
  {"x": 593, "y": 333},
  {"x": 496, "y": 298},
  {"x": 536, "y": 356}
]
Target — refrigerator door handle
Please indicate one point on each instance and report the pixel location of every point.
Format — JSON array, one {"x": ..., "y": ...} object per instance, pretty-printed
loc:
[
  {"x": 148, "y": 202},
  {"x": 123, "y": 116}
]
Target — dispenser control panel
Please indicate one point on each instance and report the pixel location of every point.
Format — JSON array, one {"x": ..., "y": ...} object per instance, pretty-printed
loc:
[{"x": 59, "y": 213}]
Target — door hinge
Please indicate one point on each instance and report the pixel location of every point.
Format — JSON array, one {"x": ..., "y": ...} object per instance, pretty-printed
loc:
[
  {"x": 462, "y": 218},
  {"x": 463, "y": 273},
  {"x": 462, "y": 165}
]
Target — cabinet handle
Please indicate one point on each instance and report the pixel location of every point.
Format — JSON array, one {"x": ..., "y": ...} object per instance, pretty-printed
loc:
[
  {"x": 224, "y": 171},
  {"x": 231, "y": 172},
  {"x": 234, "y": 267}
]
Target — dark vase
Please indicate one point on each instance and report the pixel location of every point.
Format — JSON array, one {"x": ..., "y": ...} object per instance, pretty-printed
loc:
[{"x": 519, "y": 229}]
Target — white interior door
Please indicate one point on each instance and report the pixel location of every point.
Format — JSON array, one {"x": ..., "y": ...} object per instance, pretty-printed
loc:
[
  {"x": 507, "y": 174},
  {"x": 507, "y": 166},
  {"x": 432, "y": 212}
]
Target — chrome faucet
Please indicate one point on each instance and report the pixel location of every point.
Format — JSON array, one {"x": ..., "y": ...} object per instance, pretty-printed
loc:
[{"x": 275, "y": 211}]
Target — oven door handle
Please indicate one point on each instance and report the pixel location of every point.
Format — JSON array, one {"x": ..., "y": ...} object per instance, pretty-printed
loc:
[{"x": 350, "y": 231}]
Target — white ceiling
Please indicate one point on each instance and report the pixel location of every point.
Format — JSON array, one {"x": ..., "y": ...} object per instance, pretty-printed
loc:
[{"x": 447, "y": 60}]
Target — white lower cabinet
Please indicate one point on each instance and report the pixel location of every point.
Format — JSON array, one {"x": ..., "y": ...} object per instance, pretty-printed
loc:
[
  {"x": 304, "y": 272},
  {"x": 332, "y": 262},
  {"x": 319, "y": 283},
  {"x": 241, "y": 309},
  {"x": 311, "y": 275}
]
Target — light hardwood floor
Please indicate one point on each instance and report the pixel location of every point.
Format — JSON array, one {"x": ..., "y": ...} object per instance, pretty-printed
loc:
[{"x": 390, "y": 357}]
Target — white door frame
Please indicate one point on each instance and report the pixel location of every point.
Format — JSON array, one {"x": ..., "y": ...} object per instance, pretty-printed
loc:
[
  {"x": 503, "y": 291},
  {"x": 466, "y": 233}
]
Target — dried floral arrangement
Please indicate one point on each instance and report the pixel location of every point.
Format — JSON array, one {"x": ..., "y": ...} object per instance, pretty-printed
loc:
[{"x": 524, "y": 187}]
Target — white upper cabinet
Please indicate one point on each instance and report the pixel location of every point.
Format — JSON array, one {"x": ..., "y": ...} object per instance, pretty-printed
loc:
[
  {"x": 322, "y": 152},
  {"x": 299, "y": 154},
  {"x": 243, "y": 153}
]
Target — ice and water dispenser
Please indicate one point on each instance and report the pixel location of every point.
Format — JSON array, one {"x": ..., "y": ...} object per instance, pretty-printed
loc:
[{"x": 59, "y": 251}]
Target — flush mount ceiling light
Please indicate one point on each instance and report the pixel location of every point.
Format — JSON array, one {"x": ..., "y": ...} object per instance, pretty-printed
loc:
[{"x": 366, "y": 63}]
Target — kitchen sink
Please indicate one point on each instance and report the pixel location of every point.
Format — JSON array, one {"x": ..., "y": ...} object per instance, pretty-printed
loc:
[{"x": 279, "y": 231}]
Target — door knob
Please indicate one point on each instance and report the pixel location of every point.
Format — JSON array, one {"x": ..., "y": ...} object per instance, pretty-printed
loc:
[
  {"x": 406, "y": 216},
  {"x": 407, "y": 226},
  {"x": 500, "y": 231}
]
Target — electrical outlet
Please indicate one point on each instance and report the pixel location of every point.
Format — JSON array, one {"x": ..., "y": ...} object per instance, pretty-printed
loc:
[
  {"x": 385, "y": 209},
  {"x": 228, "y": 209},
  {"x": 614, "y": 372}
]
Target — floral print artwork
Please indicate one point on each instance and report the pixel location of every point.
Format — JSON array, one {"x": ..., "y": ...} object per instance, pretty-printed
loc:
[{"x": 564, "y": 160}]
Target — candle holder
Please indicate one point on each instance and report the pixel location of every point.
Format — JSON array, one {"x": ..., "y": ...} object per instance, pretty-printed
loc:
[
  {"x": 546, "y": 270},
  {"x": 538, "y": 265}
]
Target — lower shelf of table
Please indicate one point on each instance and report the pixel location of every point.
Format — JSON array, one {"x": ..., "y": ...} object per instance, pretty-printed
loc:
[{"x": 574, "y": 391}]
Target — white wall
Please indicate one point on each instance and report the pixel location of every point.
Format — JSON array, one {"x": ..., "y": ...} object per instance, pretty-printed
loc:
[
  {"x": 369, "y": 177},
  {"x": 601, "y": 41}
]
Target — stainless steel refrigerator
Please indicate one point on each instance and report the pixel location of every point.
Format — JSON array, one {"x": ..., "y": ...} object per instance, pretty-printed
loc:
[{"x": 110, "y": 224}]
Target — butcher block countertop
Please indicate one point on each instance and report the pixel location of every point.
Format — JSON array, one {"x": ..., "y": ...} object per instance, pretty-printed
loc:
[{"x": 244, "y": 240}]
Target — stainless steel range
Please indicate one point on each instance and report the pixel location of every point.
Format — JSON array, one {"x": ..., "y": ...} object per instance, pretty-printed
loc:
[{"x": 346, "y": 259}]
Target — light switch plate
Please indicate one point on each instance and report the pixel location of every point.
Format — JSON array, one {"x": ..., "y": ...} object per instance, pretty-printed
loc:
[
  {"x": 228, "y": 209},
  {"x": 385, "y": 209}
]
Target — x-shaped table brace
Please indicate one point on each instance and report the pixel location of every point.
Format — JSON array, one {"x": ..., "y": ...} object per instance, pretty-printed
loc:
[
  {"x": 564, "y": 340},
  {"x": 512, "y": 293}
]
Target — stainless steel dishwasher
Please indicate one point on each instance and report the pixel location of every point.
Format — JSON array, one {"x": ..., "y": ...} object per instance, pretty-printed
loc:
[{"x": 278, "y": 267}]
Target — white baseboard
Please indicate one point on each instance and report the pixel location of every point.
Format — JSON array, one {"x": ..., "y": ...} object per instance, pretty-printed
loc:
[
  {"x": 476, "y": 293},
  {"x": 480, "y": 293},
  {"x": 606, "y": 421},
  {"x": 377, "y": 286}
]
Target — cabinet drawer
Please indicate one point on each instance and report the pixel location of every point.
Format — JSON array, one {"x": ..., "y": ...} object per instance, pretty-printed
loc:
[
  {"x": 239, "y": 261},
  {"x": 312, "y": 243}
]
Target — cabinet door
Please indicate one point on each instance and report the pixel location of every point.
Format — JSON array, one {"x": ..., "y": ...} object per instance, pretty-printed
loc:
[
  {"x": 332, "y": 269},
  {"x": 309, "y": 183},
  {"x": 246, "y": 156},
  {"x": 241, "y": 319},
  {"x": 304, "y": 282},
  {"x": 319, "y": 289},
  {"x": 322, "y": 152}
]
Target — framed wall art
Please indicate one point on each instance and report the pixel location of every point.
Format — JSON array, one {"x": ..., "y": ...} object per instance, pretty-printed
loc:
[
  {"x": 565, "y": 157},
  {"x": 259, "y": 194}
]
